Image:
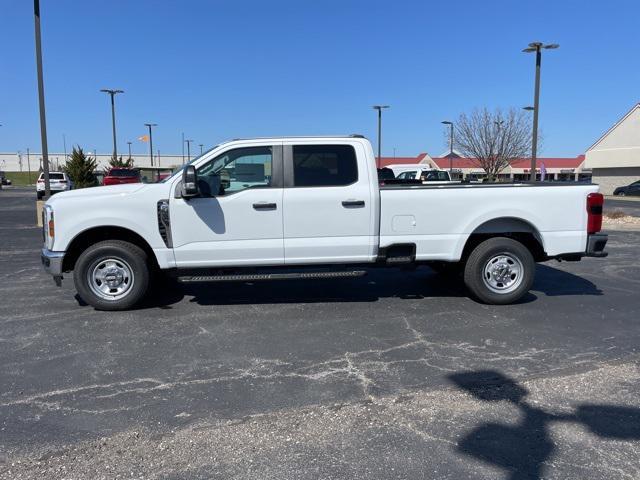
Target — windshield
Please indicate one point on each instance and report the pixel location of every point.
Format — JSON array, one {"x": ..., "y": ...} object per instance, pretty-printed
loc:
[
  {"x": 53, "y": 176},
  {"x": 123, "y": 172}
]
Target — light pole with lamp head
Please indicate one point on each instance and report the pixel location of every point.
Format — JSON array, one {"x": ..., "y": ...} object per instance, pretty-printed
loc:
[
  {"x": 112, "y": 93},
  {"x": 379, "y": 108},
  {"x": 536, "y": 47}
]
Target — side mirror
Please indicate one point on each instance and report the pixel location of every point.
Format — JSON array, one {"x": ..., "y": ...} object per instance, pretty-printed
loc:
[{"x": 189, "y": 182}]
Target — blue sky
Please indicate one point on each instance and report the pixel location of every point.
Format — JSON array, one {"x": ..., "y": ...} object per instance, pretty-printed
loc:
[{"x": 222, "y": 69}]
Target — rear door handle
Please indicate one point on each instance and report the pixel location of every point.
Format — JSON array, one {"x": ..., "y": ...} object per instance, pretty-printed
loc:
[
  {"x": 264, "y": 206},
  {"x": 353, "y": 203}
]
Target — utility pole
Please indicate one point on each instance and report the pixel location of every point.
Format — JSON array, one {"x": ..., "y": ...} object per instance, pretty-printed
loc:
[
  {"x": 188, "y": 150},
  {"x": 537, "y": 48},
  {"x": 183, "y": 148},
  {"x": 28, "y": 167},
  {"x": 149, "y": 125},
  {"x": 446, "y": 122},
  {"x": 43, "y": 121},
  {"x": 112, "y": 93},
  {"x": 379, "y": 108}
]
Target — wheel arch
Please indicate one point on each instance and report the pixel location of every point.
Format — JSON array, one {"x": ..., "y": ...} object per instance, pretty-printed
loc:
[
  {"x": 93, "y": 235},
  {"x": 511, "y": 227}
]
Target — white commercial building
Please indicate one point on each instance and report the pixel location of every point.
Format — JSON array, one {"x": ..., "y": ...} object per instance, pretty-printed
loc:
[
  {"x": 615, "y": 158},
  {"x": 21, "y": 162}
]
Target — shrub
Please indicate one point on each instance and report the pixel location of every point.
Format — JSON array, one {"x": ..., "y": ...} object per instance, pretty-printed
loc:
[
  {"x": 80, "y": 168},
  {"x": 615, "y": 214}
]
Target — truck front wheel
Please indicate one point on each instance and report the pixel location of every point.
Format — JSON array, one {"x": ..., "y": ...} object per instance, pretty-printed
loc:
[
  {"x": 499, "y": 271},
  {"x": 112, "y": 275}
]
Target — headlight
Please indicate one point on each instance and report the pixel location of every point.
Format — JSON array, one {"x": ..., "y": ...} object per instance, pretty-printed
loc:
[{"x": 48, "y": 226}]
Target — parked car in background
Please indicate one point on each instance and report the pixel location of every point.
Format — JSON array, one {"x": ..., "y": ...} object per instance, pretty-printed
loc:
[
  {"x": 58, "y": 182},
  {"x": 4, "y": 180},
  {"x": 118, "y": 176},
  {"x": 420, "y": 172},
  {"x": 631, "y": 190}
]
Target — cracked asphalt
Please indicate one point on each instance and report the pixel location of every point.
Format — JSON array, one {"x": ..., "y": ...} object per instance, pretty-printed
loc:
[{"x": 394, "y": 375}]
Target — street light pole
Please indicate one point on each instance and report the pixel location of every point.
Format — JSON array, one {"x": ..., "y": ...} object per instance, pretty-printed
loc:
[
  {"x": 379, "y": 108},
  {"x": 447, "y": 122},
  {"x": 149, "y": 125},
  {"x": 112, "y": 93},
  {"x": 129, "y": 143},
  {"x": 188, "y": 149},
  {"x": 201, "y": 145},
  {"x": 537, "y": 48},
  {"x": 43, "y": 120}
]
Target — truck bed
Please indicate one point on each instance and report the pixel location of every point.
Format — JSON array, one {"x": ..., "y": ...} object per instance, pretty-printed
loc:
[{"x": 439, "y": 219}]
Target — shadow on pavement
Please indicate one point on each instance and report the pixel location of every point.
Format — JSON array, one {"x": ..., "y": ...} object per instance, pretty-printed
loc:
[
  {"x": 553, "y": 282},
  {"x": 522, "y": 449},
  {"x": 408, "y": 285}
]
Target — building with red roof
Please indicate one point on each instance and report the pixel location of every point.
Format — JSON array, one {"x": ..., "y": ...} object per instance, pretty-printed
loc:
[{"x": 556, "y": 168}]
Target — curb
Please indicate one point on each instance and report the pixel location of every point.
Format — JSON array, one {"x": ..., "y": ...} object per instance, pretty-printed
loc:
[{"x": 622, "y": 199}]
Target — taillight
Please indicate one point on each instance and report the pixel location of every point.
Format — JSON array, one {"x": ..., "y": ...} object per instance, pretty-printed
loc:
[
  {"x": 595, "y": 202},
  {"x": 40, "y": 181}
]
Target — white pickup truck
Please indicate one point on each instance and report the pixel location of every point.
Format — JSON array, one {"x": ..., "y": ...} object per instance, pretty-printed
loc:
[{"x": 277, "y": 208}]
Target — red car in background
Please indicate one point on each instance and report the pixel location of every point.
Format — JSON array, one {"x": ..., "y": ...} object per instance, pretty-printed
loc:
[{"x": 117, "y": 176}]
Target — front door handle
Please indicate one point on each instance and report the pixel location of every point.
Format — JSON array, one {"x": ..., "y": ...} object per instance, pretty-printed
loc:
[
  {"x": 264, "y": 206},
  {"x": 353, "y": 203}
]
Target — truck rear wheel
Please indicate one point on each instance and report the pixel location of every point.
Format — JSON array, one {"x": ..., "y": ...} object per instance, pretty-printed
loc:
[
  {"x": 499, "y": 271},
  {"x": 112, "y": 275}
]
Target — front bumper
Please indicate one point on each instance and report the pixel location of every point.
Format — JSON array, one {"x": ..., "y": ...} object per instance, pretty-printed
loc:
[
  {"x": 52, "y": 263},
  {"x": 595, "y": 245}
]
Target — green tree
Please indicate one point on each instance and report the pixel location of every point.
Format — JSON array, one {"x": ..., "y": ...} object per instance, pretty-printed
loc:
[
  {"x": 120, "y": 162},
  {"x": 80, "y": 168}
]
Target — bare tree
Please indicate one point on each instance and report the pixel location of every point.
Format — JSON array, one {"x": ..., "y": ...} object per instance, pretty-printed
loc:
[{"x": 494, "y": 140}]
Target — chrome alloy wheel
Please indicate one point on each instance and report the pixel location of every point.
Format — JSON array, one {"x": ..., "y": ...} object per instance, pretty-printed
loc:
[
  {"x": 503, "y": 273},
  {"x": 110, "y": 278}
]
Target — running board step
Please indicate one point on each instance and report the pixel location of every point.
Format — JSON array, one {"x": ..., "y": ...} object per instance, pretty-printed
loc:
[{"x": 254, "y": 277}]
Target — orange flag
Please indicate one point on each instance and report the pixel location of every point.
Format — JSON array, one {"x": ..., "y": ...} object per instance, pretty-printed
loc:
[{"x": 144, "y": 138}]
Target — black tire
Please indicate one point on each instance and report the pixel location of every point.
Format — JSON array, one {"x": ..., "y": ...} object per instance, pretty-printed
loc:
[
  {"x": 449, "y": 269},
  {"x": 40, "y": 195},
  {"x": 504, "y": 254},
  {"x": 128, "y": 258}
]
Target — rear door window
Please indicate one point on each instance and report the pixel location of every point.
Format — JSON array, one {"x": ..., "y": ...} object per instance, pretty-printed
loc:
[
  {"x": 434, "y": 176},
  {"x": 324, "y": 165}
]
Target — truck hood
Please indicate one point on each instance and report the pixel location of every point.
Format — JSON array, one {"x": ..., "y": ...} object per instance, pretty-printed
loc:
[{"x": 96, "y": 192}]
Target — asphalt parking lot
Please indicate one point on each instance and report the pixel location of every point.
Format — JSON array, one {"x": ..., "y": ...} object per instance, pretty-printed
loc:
[{"x": 393, "y": 375}]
